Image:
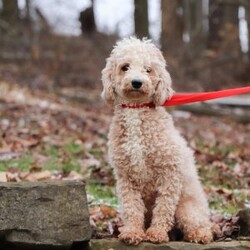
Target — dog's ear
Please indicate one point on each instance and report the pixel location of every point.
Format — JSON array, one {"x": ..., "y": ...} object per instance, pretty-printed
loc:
[
  {"x": 163, "y": 90},
  {"x": 108, "y": 89}
]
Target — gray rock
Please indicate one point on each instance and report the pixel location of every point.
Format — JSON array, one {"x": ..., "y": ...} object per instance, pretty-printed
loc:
[
  {"x": 114, "y": 244},
  {"x": 244, "y": 222},
  {"x": 44, "y": 213}
]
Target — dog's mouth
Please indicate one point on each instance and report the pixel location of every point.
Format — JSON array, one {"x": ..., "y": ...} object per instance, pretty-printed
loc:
[
  {"x": 134, "y": 93},
  {"x": 132, "y": 90}
]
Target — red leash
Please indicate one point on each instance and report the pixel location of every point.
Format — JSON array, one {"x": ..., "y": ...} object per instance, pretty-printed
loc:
[{"x": 179, "y": 99}]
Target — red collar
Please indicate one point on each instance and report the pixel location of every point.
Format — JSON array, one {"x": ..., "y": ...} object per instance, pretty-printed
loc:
[{"x": 138, "y": 106}]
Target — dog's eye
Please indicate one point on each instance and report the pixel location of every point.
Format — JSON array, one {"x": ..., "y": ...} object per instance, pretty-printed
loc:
[
  {"x": 148, "y": 70},
  {"x": 125, "y": 67}
]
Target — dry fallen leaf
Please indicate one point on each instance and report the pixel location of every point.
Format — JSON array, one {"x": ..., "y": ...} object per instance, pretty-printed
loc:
[
  {"x": 3, "y": 177},
  {"x": 108, "y": 211},
  {"x": 38, "y": 176},
  {"x": 27, "y": 143},
  {"x": 8, "y": 155},
  {"x": 86, "y": 163},
  {"x": 73, "y": 175},
  {"x": 5, "y": 148},
  {"x": 94, "y": 210},
  {"x": 13, "y": 177}
]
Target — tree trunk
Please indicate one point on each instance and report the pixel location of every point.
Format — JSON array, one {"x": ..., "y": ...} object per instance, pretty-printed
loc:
[
  {"x": 141, "y": 18},
  {"x": 247, "y": 8},
  {"x": 10, "y": 12},
  {"x": 193, "y": 16},
  {"x": 28, "y": 19},
  {"x": 196, "y": 32},
  {"x": 187, "y": 20},
  {"x": 87, "y": 20},
  {"x": 44, "y": 25},
  {"x": 172, "y": 26},
  {"x": 215, "y": 19},
  {"x": 27, "y": 11},
  {"x": 224, "y": 26}
]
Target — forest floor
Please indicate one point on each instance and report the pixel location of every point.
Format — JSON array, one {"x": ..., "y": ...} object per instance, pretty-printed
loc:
[{"x": 53, "y": 137}]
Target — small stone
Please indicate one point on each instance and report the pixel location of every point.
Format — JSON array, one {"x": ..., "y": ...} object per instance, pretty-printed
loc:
[
  {"x": 3, "y": 177},
  {"x": 244, "y": 222}
]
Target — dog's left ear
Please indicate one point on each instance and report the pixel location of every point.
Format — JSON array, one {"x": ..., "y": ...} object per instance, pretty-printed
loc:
[
  {"x": 163, "y": 90},
  {"x": 108, "y": 91}
]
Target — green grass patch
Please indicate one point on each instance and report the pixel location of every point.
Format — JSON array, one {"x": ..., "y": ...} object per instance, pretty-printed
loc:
[
  {"x": 72, "y": 149},
  {"x": 69, "y": 166},
  {"x": 102, "y": 194},
  {"x": 229, "y": 207},
  {"x": 52, "y": 152},
  {"x": 65, "y": 158},
  {"x": 24, "y": 163},
  {"x": 97, "y": 153}
]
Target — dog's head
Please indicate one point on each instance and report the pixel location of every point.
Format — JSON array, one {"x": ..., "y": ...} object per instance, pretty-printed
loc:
[{"x": 136, "y": 72}]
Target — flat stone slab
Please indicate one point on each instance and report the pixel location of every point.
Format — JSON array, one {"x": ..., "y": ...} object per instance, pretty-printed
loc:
[
  {"x": 114, "y": 244},
  {"x": 51, "y": 213}
]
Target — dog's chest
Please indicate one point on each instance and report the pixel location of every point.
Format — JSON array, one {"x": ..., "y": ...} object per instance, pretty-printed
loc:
[{"x": 134, "y": 145}]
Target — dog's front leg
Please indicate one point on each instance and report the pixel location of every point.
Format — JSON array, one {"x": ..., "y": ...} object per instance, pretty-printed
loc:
[
  {"x": 132, "y": 212},
  {"x": 168, "y": 193}
]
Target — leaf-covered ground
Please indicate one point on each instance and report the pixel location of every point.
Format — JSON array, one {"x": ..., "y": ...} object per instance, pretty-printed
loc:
[{"x": 41, "y": 139}]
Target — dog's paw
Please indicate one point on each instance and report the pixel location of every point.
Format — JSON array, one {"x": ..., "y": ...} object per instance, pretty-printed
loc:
[
  {"x": 132, "y": 236},
  {"x": 157, "y": 235},
  {"x": 199, "y": 235}
]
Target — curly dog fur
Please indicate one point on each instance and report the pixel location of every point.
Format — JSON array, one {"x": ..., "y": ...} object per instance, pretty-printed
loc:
[{"x": 157, "y": 182}]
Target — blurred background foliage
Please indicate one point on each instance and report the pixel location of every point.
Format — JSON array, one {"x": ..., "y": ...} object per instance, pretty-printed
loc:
[{"x": 59, "y": 43}]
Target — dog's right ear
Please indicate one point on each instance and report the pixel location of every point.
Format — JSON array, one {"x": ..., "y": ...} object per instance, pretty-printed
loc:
[{"x": 108, "y": 89}]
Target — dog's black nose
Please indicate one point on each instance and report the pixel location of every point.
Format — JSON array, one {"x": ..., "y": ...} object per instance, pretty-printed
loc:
[{"x": 136, "y": 83}]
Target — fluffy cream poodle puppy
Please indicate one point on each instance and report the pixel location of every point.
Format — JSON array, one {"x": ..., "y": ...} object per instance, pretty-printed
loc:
[{"x": 157, "y": 182}]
